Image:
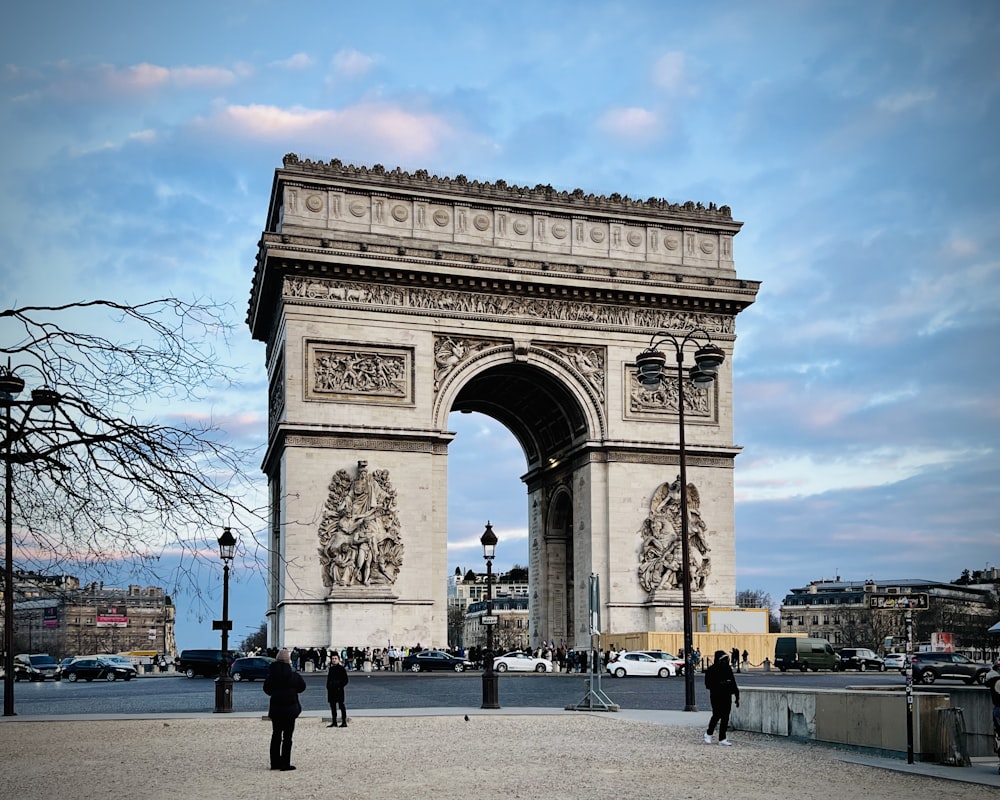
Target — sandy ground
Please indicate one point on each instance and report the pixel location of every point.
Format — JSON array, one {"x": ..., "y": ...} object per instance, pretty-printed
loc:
[{"x": 537, "y": 757}]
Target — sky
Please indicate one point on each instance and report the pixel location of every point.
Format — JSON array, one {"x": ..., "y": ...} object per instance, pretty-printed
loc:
[{"x": 856, "y": 141}]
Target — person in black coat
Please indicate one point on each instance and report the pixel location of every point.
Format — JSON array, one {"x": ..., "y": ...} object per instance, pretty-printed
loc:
[
  {"x": 721, "y": 685},
  {"x": 336, "y": 680},
  {"x": 283, "y": 685}
]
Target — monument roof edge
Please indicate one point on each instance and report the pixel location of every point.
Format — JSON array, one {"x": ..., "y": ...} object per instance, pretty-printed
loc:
[{"x": 499, "y": 191}]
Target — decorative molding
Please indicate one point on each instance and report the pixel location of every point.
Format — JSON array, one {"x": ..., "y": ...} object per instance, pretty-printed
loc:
[
  {"x": 451, "y": 352},
  {"x": 588, "y": 363},
  {"x": 501, "y": 190},
  {"x": 347, "y": 372},
  {"x": 509, "y": 308},
  {"x": 700, "y": 405}
]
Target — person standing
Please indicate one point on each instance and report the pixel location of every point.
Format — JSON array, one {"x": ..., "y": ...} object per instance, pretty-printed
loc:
[
  {"x": 734, "y": 658},
  {"x": 283, "y": 685},
  {"x": 336, "y": 680},
  {"x": 992, "y": 682},
  {"x": 721, "y": 685}
]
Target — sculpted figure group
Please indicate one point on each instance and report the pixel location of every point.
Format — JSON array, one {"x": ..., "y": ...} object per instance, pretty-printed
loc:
[
  {"x": 359, "y": 534},
  {"x": 660, "y": 555}
]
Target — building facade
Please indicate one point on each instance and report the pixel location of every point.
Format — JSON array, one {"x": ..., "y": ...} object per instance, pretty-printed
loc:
[
  {"x": 56, "y": 615},
  {"x": 840, "y": 611}
]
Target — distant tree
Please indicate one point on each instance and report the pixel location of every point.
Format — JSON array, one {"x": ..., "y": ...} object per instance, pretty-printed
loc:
[
  {"x": 256, "y": 640},
  {"x": 118, "y": 473},
  {"x": 965, "y": 579},
  {"x": 516, "y": 574},
  {"x": 456, "y": 626}
]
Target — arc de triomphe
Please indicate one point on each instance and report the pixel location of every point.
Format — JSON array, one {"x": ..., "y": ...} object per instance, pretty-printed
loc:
[{"x": 389, "y": 299}]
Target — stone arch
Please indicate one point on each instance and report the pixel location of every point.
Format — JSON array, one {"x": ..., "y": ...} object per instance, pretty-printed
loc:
[{"x": 387, "y": 299}]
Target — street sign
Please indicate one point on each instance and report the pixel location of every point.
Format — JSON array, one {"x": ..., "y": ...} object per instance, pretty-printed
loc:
[
  {"x": 222, "y": 625},
  {"x": 489, "y": 620},
  {"x": 898, "y": 602}
]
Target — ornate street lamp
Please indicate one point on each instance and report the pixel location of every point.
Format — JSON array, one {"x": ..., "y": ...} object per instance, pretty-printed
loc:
[
  {"x": 224, "y": 683},
  {"x": 650, "y": 365},
  {"x": 491, "y": 689},
  {"x": 12, "y": 385}
]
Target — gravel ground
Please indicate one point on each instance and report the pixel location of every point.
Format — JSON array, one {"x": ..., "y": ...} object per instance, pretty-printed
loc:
[{"x": 510, "y": 757}]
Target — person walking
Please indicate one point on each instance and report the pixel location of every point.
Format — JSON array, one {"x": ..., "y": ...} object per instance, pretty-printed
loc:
[
  {"x": 721, "y": 685},
  {"x": 336, "y": 680},
  {"x": 734, "y": 658},
  {"x": 283, "y": 685}
]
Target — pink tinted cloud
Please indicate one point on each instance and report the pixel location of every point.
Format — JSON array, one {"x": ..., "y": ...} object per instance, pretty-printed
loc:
[{"x": 405, "y": 133}]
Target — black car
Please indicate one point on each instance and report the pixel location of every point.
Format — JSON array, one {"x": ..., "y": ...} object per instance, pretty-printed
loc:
[
  {"x": 861, "y": 659},
  {"x": 427, "y": 660},
  {"x": 930, "y": 667},
  {"x": 250, "y": 668},
  {"x": 90, "y": 669},
  {"x": 35, "y": 667}
]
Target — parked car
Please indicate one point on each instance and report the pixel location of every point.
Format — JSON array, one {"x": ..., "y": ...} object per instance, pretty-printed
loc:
[
  {"x": 803, "y": 653},
  {"x": 931, "y": 667},
  {"x": 90, "y": 669},
  {"x": 895, "y": 661},
  {"x": 35, "y": 667},
  {"x": 861, "y": 659},
  {"x": 664, "y": 655},
  {"x": 427, "y": 660},
  {"x": 251, "y": 668},
  {"x": 629, "y": 664},
  {"x": 204, "y": 662},
  {"x": 521, "y": 662}
]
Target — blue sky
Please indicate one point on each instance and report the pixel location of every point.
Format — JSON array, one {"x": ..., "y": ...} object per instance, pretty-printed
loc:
[{"x": 856, "y": 141}]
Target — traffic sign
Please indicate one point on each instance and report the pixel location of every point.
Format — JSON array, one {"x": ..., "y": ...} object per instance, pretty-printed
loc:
[
  {"x": 898, "y": 602},
  {"x": 492, "y": 619}
]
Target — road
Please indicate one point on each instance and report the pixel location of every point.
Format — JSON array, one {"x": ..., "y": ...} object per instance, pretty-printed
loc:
[{"x": 176, "y": 694}]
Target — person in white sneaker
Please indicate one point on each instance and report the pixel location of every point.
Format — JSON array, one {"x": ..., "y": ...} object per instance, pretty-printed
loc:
[{"x": 721, "y": 684}]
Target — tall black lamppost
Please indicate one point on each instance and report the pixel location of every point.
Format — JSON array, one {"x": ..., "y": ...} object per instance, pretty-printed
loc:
[
  {"x": 491, "y": 690},
  {"x": 11, "y": 385},
  {"x": 650, "y": 364},
  {"x": 224, "y": 683}
]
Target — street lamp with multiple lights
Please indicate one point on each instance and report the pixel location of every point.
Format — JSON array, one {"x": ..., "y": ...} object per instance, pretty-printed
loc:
[
  {"x": 11, "y": 385},
  {"x": 224, "y": 683},
  {"x": 650, "y": 365},
  {"x": 491, "y": 689}
]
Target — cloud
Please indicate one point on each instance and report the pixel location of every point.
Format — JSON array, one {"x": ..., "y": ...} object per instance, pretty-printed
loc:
[
  {"x": 407, "y": 134},
  {"x": 799, "y": 476},
  {"x": 905, "y": 101},
  {"x": 632, "y": 124},
  {"x": 295, "y": 62},
  {"x": 670, "y": 73},
  {"x": 352, "y": 64}
]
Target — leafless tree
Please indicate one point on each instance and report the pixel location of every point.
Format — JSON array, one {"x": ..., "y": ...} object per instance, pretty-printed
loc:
[{"x": 125, "y": 469}]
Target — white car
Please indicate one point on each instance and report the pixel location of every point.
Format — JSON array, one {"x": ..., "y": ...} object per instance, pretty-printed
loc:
[
  {"x": 628, "y": 664},
  {"x": 895, "y": 661},
  {"x": 521, "y": 662},
  {"x": 663, "y": 655}
]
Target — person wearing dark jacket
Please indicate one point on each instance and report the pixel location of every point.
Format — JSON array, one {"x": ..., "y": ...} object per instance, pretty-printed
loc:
[
  {"x": 721, "y": 685},
  {"x": 336, "y": 680},
  {"x": 283, "y": 685}
]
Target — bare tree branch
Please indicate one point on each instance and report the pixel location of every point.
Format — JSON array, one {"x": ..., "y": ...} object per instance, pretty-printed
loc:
[{"x": 124, "y": 472}]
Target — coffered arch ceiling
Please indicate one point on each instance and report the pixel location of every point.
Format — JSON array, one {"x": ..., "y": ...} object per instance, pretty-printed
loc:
[{"x": 544, "y": 416}]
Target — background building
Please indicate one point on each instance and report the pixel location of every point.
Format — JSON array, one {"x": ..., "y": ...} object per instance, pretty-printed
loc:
[
  {"x": 838, "y": 611},
  {"x": 55, "y": 615}
]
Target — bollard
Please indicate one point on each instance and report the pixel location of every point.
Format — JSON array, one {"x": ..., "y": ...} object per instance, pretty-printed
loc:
[{"x": 767, "y": 665}]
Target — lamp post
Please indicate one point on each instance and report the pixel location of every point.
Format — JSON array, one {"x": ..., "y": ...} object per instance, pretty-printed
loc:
[
  {"x": 11, "y": 385},
  {"x": 224, "y": 683},
  {"x": 491, "y": 689},
  {"x": 650, "y": 365}
]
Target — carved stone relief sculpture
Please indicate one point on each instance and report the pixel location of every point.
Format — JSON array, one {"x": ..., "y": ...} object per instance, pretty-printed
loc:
[
  {"x": 588, "y": 362},
  {"x": 450, "y": 351},
  {"x": 509, "y": 307},
  {"x": 660, "y": 555},
  {"x": 359, "y": 534},
  {"x": 697, "y": 401}
]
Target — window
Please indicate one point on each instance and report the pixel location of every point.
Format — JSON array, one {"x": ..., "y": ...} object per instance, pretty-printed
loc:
[
  {"x": 815, "y": 619},
  {"x": 826, "y": 619}
]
